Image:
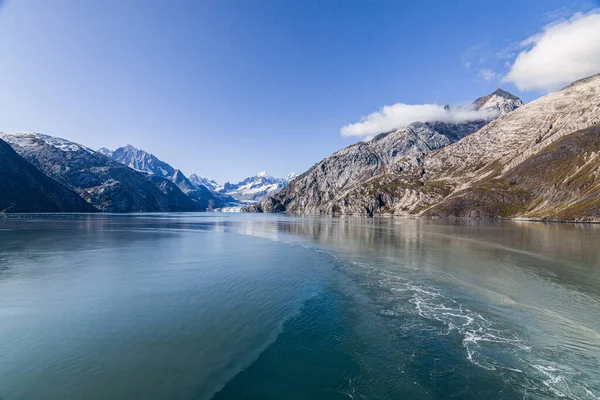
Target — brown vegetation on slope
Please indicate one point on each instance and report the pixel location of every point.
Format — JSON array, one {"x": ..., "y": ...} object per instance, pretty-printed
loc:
[{"x": 561, "y": 182}]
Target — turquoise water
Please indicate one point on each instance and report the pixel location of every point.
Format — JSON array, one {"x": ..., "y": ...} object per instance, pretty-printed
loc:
[{"x": 231, "y": 306}]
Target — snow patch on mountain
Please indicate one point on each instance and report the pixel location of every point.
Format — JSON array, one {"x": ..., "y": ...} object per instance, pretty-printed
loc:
[
  {"x": 501, "y": 101},
  {"x": 139, "y": 160},
  {"x": 251, "y": 190},
  {"x": 208, "y": 183},
  {"x": 29, "y": 139}
]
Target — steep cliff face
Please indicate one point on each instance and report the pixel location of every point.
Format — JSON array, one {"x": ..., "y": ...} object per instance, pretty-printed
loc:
[
  {"x": 102, "y": 182},
  {"x": 23, "y": 188},
  {"x": 471, "y": 177}
]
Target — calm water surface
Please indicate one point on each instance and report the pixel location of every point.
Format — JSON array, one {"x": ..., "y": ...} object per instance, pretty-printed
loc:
[{"x": 230, "y": 306}]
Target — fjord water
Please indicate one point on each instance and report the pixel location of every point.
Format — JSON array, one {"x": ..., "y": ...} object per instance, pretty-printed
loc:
[{"x": 230, "y": 306}]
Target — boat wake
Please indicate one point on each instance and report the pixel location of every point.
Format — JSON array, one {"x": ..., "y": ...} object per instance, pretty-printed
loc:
[{"x": 488, "y": 343}]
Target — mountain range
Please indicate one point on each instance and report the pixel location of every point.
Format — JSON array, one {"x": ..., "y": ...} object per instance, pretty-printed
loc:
[
  {"x": 506, "y": 160},
  {"x": 41, "y": 173},
  {"x": 250, "y": 190},
  {"x": 255, "y": 188},
  {"x": 534, "y": 161},
  {"x": 105, "y": 184}
]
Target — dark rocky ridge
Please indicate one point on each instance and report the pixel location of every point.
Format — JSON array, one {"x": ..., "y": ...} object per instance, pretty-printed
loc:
[
  {"x": 203, "y": 197},
  {"x": 23, "y": 188},
  {"x": 107, "y": 185}
]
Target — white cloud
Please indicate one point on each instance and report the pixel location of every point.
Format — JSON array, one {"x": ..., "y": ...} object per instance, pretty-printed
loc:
[
  {"x": 562, "y": 53},
  {"x": 487, "y": 74},
  {"x": 400, "y": 115}
]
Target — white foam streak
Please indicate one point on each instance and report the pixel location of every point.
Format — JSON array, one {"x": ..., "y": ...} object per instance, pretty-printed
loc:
[{"x": 481, "y": 337}]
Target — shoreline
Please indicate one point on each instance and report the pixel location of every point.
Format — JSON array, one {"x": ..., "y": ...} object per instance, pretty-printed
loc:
[{"x": 516, "y": 219}]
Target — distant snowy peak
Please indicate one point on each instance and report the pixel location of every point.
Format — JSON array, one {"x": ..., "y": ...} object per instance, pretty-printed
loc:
[
  {"x": 208, "y": 183},
  {"x": 252, "y": 189},
  {"x": 139, "y": 160},
  {"x": 500, "y": 100},
  {"x": 28, "y": 139},
  {"x": 106, "y": 152},
  {"x": 290, "y": 176},
  {"x": 264, "y": 176}
]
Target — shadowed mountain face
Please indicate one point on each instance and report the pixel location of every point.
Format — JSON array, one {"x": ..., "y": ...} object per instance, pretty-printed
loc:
[
  {"x": 23, "y": 188},
  {"x": 102, "y": 182},
  {"x": 493, "y": 172},
  {"x": 203, "y": 197}
]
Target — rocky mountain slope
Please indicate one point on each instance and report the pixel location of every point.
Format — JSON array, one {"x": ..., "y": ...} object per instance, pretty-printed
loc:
[
  {"x": 501, "y": 100},
  {"x": 199, "y": 193},
  {"x": 561, "y": 181},
  {"x": 24, "y": 188},
  {"x": 390, "y": 152},
  {"x": 107, "y": 185},
  {"x": 143, "y": 161},
  {"x": 488, "y": 173},
  {"x": 200, "y": 189}
]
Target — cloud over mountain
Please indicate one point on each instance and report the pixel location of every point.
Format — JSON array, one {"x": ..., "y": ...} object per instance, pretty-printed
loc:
[{"x": 400, "y": 115}]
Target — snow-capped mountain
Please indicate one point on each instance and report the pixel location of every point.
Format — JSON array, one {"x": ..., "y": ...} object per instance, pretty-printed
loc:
[
  {"x": 289, "y": 177},
  {"x": 199, "y": 193},
  {"x": 250, "y": 190},
  {"x": 31, "y": 140},
  {"x": 255, "y": 188},
  {"x": 24, "y": 188},
  {"x": 199, "y": 188},
  {"x": 143, "y": 161},
  {"x": 107, "y": 185},
  {"x": 139, "y": 160},
  {"x": 500, "y": 100},
  {"x": 208, "y": 183}
]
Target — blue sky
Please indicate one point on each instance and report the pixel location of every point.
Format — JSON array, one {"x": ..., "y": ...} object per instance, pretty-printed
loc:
[{"x": 229, "y": 88}]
